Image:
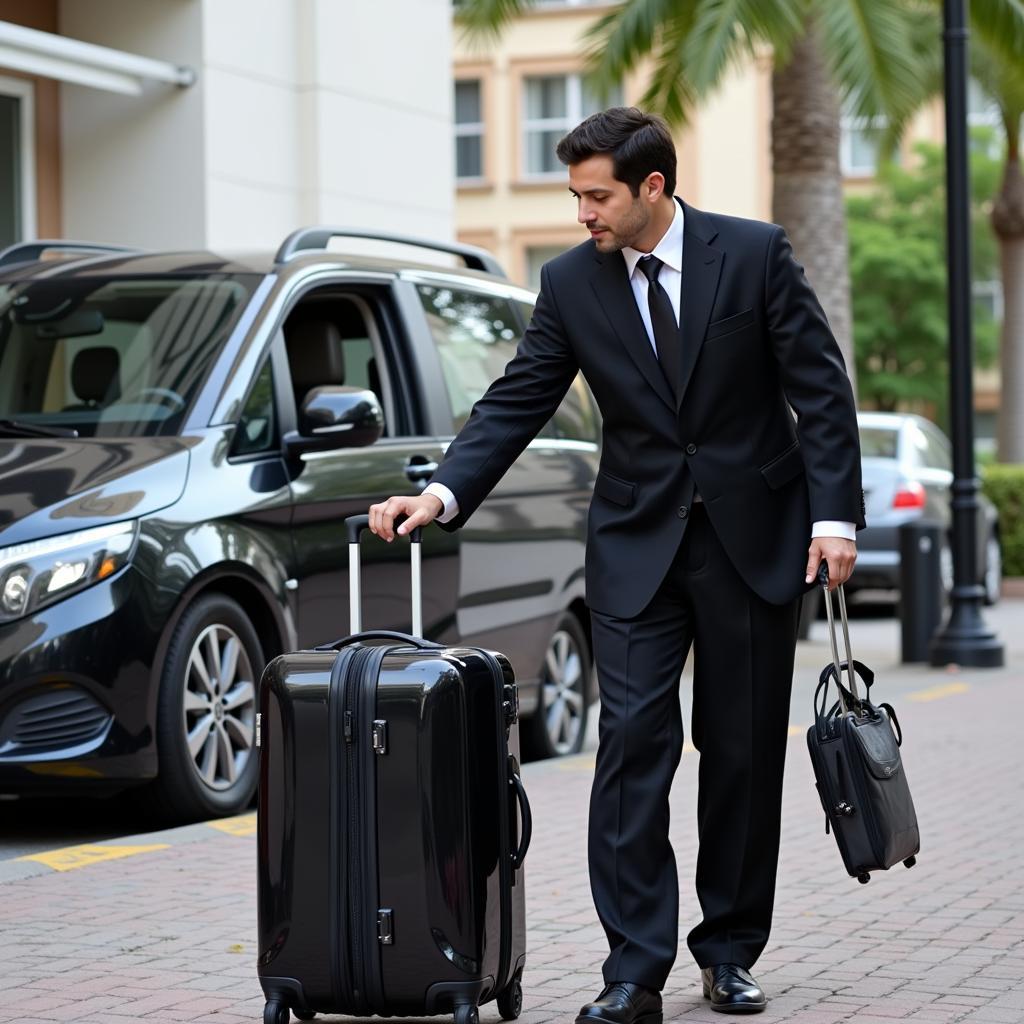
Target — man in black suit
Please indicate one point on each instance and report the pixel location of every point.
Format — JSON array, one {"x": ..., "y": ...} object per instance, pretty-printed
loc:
[{"x": 697, "y": 333}]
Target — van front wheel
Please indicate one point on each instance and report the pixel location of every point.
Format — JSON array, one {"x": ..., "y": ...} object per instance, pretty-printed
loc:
[{"x": 206, "y": 718}]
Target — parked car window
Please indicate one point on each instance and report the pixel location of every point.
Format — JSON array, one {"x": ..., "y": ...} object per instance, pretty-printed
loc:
[
  {"x": 257, "y": 426},
  {"x": 937, "y": 453},
  {"x": 112, "y": 357},
  {"x": 476, "y": 337},
  {"x": 878, "y": 442},
  {"x": 575, "y": 419}
]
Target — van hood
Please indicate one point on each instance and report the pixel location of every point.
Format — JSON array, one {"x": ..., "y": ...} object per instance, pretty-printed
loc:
[{"x": 54, "y": 486}]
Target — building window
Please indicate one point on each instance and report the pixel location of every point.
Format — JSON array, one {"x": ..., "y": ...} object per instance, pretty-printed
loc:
[
  {"x": 17, "y": 163},
  {"x": 536, "y": 257},
  {"x": 469, "y": 131},
  {"x": 553, "y": 106},
  {"x": 859, "y": 144},
  {"x": 988, "y": 300}
]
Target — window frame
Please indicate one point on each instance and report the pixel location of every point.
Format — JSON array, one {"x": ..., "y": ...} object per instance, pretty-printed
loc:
[{"x": 470, "y": 129}]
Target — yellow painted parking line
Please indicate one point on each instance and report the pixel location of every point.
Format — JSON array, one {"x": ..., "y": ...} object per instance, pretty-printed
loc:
[
  {"x": 72, "y": 857},
  {"x": 938, "y": 692},
  {"x": 242, "y": 825}
]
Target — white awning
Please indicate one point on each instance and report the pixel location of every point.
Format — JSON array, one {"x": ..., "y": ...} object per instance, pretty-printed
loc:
[{"x": 71, "y": 60}]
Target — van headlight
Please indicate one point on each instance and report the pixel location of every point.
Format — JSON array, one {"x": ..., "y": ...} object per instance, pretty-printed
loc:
[{"x": 37, "y": 573}]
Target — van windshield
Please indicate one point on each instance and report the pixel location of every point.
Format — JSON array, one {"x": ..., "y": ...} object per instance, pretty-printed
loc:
[{"x": 112, "y": 357}]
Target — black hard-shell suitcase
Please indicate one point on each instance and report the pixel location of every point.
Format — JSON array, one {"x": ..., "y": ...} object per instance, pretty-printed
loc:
[
  {"x": 858, "y": 767},
  {"x": 392, "y": 826}
]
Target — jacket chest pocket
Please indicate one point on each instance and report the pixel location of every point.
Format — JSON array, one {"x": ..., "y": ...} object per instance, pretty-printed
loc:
[{"x": 730, "y": 324}]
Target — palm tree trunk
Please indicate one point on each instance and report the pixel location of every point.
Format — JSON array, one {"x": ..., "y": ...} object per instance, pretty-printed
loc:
[
  {"x": 1008, "y": 224},
  {"x": 807, "y": 197}
]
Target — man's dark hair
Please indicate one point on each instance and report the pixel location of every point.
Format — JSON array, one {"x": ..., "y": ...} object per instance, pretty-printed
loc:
[{"x": 638, "y": 144}]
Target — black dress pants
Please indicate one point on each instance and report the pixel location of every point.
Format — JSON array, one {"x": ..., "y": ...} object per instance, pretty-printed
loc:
[{"x": 743, "y": 669}]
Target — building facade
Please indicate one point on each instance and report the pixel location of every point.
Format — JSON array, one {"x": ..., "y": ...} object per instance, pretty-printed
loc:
[{"x": 222, "y": 123}]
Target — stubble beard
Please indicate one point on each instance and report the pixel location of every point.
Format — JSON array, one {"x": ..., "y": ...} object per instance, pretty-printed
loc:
[{"x": 628, "y": 231}]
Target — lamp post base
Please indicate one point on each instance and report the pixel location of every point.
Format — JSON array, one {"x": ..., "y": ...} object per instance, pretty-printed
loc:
[{"x": 965, "y": 639}]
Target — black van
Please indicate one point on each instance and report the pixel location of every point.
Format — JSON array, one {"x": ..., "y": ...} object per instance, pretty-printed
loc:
[{"x": 181, "y": 436}]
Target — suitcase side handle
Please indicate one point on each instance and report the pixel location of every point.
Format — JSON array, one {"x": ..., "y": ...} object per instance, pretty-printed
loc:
[
  {"x": 354, "y": 526},
  {"x": 524, "y": 809}
]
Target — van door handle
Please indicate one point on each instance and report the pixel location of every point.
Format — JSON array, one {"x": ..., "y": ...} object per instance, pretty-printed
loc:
[{"x": 420, "y": 470}]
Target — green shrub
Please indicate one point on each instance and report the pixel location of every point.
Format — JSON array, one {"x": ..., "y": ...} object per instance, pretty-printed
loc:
[{"x": 1004, "y": 485}]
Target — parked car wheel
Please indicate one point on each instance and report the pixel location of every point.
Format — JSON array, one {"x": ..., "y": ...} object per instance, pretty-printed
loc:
[
  {"x": 206, "y": 721},
  {"x": 559, "y": 724},
  {"x": 993, "y": 568}
]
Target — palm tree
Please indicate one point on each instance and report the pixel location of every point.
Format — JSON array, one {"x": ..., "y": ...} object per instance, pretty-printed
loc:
[
  {"x": 1001, "y": 76},
  {"x": 1004, "y": 82},
  {"x": 826, "y": 54}
]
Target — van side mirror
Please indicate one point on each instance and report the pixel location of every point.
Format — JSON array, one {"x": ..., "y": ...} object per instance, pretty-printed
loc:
[{"x": 335, "y": 417}]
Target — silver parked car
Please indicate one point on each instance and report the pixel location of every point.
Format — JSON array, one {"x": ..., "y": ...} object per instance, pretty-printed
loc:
[{"x": 908, "y": 470}]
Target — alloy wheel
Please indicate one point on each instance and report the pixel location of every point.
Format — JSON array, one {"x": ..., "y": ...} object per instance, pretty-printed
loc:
[
  {"x": 219, "y": 708},
  {"x": 563, "y": 688}
]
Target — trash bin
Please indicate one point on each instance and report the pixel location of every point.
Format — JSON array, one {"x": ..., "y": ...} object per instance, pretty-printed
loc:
[{"x": 921, "y": 593}]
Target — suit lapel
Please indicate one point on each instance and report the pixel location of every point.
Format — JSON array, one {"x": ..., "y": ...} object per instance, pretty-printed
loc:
[
  {"x": 611, "y": 285},
  {"x": 702, "y": 267}
]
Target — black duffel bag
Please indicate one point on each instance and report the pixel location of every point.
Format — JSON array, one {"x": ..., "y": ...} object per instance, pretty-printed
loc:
[{"x": 858, "y": 769}]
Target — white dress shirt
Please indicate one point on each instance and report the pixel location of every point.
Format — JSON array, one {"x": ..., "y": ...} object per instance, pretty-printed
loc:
[{"x": 670, "y": 251}]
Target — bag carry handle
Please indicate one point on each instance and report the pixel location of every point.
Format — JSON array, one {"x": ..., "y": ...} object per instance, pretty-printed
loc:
[
  {"x": 823, "y": 580},
  {"x": 524, "y": 808},
  {"x": 354, "y": 526}
]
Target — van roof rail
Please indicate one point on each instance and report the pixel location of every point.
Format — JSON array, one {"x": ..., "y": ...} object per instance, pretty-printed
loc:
[
  {"x": 24, "y": 252},
  {"x": 318, "y": 237}
]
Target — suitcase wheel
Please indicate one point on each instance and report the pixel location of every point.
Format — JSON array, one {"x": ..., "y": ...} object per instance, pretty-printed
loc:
[
  {"x": 467, "y": 1013},
  {"x": 510, "y": 1000},
  {"x": 276, "y": 1013},
  {"x": 910, "y": 862},
  {"x": 863, "y": 878}
]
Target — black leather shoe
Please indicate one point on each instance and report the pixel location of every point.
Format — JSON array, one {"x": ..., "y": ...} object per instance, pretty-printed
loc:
[
  {"x": 623, "y": 1003},
  {"x": 731, "y": 989}
]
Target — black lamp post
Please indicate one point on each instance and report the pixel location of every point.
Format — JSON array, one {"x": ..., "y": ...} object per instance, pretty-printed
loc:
[{"x": 964, "y": 639}]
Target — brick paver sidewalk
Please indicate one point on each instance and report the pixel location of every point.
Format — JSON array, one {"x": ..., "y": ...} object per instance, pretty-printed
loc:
[{"x": 167, "y": 932}]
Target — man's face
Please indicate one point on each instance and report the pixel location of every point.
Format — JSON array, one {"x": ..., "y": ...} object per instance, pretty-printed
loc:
[{"x": 611, "y": 213}]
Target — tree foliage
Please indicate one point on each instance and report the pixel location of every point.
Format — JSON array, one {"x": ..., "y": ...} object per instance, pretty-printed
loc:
[{"x": 897, "y": 238}]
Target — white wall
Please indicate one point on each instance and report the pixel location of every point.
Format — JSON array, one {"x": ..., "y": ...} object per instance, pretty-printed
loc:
[
  {"x": 133, "y": 167},
  {"x": 305, "y": 111}
]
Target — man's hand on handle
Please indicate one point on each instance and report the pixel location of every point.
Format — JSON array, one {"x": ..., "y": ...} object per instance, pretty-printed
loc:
[
  {"x": 421, "y": 511},
  {"x": 840, "y": 555}
]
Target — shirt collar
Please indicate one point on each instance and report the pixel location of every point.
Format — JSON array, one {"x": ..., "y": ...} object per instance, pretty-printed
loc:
[{"x": 669, "y": 250}]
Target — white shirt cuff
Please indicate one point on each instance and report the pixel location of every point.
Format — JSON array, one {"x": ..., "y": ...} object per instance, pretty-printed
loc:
[
  {"x": 451, "y": 506},
  {"x": 834, "y": 528}
]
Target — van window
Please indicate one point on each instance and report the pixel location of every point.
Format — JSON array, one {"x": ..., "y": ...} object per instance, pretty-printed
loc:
[
  {"x": 257, "y": 426},
  {"x": 113, "y": 357}
]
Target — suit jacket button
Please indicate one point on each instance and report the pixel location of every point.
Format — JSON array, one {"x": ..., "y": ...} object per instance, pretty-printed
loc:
[
  {"x": 691, "y": 449},
  {"x": 683, "y": 512}
]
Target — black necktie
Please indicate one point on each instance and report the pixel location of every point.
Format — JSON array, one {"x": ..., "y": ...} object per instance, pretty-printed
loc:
[{"x": 663, "y": 320}]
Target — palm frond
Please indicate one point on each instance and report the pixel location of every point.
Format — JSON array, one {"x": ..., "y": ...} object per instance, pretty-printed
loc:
[
  {"x": 869, "y": 48},
  {"x": 619, "y": 40},
  {"x": 484, "y": 20},
  {"x": 1000, "y": 23}
]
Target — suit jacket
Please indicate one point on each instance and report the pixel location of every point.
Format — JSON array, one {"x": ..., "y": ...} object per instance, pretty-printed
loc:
[{"x": 755, "y": 344}]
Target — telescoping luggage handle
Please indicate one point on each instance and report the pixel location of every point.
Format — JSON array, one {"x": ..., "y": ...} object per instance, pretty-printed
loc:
[
  {"x": 355, "y": 525},
  {"x": 840, "y": 594}
]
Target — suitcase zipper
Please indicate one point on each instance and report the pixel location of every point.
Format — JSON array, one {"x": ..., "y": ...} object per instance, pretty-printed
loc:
[
  {"x": 877, "y": 844},
  {"x": 505, "y": 841}
]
